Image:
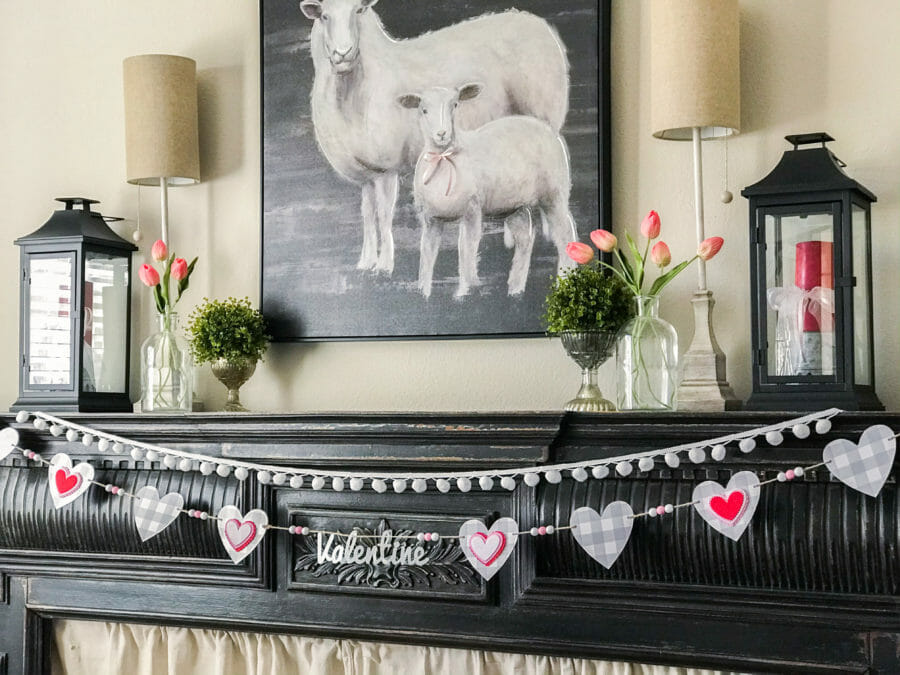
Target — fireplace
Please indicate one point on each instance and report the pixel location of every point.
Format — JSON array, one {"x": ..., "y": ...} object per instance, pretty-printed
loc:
[{"x": 812, "y": 586}]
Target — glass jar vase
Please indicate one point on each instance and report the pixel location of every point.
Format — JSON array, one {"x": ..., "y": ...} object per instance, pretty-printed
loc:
[
  {"x": 166, "y": 369},
  {"x": 647, "y": 360}
]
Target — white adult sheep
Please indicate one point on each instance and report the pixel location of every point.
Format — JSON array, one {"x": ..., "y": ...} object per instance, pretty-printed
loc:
[
  {"x": 506, "y": 168},
  {"x": 360, "y": 71}
]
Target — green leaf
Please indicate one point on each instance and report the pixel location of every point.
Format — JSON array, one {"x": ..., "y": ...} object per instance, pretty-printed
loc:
[
  {"x": 660, "y": 283},
  {"x": 638, "y": 268},
  {"x": 183, "y": 283}
]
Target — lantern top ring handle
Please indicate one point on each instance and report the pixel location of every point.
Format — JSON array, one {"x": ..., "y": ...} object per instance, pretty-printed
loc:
[{"x": 84, "y": 202}]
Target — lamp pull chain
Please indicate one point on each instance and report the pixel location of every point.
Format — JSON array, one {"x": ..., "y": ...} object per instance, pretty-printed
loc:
[
  {"x": 137, "y": 235},
  {"x": 726, "y": 193}
]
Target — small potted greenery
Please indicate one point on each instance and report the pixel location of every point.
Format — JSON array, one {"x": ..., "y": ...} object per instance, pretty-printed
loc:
[
  {"x": 231, "y": 336},
  {"x": 585, "y": 307}
]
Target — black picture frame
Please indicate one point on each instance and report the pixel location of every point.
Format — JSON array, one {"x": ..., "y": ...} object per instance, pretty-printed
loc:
[{"x": 310, "y": 289}]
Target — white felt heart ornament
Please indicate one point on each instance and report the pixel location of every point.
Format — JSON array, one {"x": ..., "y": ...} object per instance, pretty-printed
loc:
[
  {"x": 68, "y": 483},
  {"x": 864, "y": 466},
  {"x": 603, "y": 537},
  {"x": 9, "y": 439},
  {"x": 728, "y": 510},
  {"x": 487, "y": 550},
  {"x": 152, "y": 513},
  {"x": 241, "y": 534}
]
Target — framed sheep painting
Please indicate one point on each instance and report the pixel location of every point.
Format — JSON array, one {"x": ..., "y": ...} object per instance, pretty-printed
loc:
[{"x": 424, "y": 164}]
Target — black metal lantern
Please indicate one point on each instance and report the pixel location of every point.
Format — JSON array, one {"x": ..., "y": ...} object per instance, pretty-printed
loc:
[
  {"x": 75, "y": 309},
  {"x": 811, "y": 284}
]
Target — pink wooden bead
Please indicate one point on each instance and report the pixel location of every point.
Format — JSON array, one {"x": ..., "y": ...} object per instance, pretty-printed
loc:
[
  {"x": 789, "y": 474},
  {"x": 542, "y": 530},
  {"x": 428, "y": 536},
  {"x": 660, "y": 510},
  {"x": 115, "y": 490}
]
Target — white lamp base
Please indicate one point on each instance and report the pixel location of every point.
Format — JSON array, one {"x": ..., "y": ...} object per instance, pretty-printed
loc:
[{"x": 703, "y": 383}]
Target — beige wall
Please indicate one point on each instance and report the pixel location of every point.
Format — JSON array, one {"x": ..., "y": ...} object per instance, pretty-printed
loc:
[{"x": 807, "y": 65}]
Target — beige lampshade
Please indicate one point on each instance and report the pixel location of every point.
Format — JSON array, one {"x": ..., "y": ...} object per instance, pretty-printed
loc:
[
  {"x": 695, "y": 74},
  {"x": 161, "y": 139}
]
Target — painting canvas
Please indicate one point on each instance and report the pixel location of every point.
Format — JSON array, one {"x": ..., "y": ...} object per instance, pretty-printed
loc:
[{"x": 425, "y": 163}]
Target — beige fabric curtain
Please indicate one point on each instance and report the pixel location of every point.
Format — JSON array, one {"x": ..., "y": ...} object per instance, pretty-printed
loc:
[{"x": 96, "y": 648}]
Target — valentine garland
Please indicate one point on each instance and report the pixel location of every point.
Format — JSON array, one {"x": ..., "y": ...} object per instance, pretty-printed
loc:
[{"x": 728, "y": 509}]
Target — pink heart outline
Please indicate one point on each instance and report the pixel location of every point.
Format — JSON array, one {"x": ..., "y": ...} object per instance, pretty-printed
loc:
[
  {"x": 60, "y": 483},
  {"x": 240, "y": 525},
  {"x": 501, "y": 545}
]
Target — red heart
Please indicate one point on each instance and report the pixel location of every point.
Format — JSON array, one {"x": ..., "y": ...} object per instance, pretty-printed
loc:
[
  {"x": 729, "y": 508},
  {"x": 67, "y": 483},
  {"x": 485, "y": 555},
  {"x": 240, "y": 534}
]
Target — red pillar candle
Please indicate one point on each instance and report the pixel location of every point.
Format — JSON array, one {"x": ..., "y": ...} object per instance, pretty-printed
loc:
[{"x": 815, "y": 267}]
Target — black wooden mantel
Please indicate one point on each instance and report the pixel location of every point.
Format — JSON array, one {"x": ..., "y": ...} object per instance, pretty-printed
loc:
[{"x": 811, "y": 587}]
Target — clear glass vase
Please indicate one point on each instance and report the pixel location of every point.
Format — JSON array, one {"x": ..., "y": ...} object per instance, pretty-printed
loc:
[
  {"x": 647, "y": 360},
  {"x": 166, "y": 369}
]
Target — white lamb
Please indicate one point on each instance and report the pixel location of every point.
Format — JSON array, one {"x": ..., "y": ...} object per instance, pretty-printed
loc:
[
  {"x": 506, "y": 168},
  {"x": 360, "y": 71}
]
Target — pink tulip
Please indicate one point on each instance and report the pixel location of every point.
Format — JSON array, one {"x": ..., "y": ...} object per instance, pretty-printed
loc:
[
  {"x": 149, "y": 275},
  {"x": 650, "y": 225},
  {"x": 159, "y": 251},
  {"x": 179, "y": 269},
  {"x": 660, "y": 254},
  {"x": 709, "y": 247},
  {"x": 580, "y": 253},
  {"x": 604, "y": 240}
]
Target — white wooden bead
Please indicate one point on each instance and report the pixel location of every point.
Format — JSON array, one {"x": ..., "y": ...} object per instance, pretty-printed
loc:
[
  {"x": 550, "y": 529},
  {"x": 533, "y": 532}
]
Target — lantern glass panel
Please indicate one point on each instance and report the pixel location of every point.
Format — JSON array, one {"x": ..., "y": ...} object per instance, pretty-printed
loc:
[
  {"x": 104, "y": 340},
  {"x": 800, "y": 294},
  {"x": 861, "y": 309},
  {"x": 50, "y": 287}
]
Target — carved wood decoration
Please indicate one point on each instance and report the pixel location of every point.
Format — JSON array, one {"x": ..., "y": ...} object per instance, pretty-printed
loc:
[{"x": 811, "y": 587}]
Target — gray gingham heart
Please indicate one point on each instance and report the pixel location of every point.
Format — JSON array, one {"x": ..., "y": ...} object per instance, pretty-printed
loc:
[
  {"x": 152, "y": 513},
  {"x": 864, "y": 466},
  {"x": 603, "y": 537}
]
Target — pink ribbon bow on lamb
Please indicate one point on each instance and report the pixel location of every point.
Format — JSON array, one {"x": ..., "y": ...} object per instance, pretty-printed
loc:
[{"x": 434, "y": 161}]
